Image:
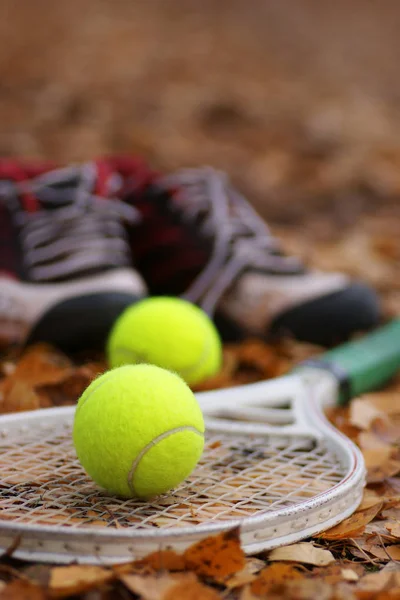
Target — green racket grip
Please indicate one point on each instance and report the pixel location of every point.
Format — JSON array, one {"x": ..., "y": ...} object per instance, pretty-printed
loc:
[{"x": 365, "y": 364}]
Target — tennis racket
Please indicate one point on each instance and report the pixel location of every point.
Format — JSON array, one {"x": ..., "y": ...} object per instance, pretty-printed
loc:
[{"x": 273, "y": 465}]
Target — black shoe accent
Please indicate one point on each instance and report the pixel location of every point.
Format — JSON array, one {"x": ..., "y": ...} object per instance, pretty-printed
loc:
[
  {"x": 81, "y": 323},
  {"x": 331, "y": 319},
  {"x": 228, "y": 329}
]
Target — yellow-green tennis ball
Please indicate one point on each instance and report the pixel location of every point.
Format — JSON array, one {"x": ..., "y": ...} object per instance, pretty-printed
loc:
[
  {"x": 138, "y": 431},
  {"x": 168, "y": 332}
]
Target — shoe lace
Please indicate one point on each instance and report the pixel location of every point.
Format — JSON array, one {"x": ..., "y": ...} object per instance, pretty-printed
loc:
[
  {"x": 75, "y": 231},
  {"x": 240, "y": 239}
]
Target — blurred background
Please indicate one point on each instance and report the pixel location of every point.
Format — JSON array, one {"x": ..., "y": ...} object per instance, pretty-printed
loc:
[{"x": 298, "y": 101}]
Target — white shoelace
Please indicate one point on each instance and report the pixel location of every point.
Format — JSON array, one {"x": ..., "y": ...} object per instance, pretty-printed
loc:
[
  {"x": 77, "y": 231},
  {"x": 241, "y": 240}
]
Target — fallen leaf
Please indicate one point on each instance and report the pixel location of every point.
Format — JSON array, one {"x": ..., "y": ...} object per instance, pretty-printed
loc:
[
  {"x": 386, "y": 402},
  {"x": 22, "y": 589},
  {"x": 377, "y": 582},
  {"x": 378, "y": 528},
  {"x": 369, "y": 499},
  {"x": 20, "y": 396},
  {"x": 309, "y": 589},
  {"x": 273, "y": 577},
  {"x": 304, "y": 552},
  {"x": 192, "y": 590},
  {"x": 368, "y": 440},
  {"x": 165, "y": 560},
  {"x": 67, "y": 389},
  {"x": 377, "y": 551},
  {"x": 217, "y": 557},
  {"x": 333, "y": 573},
  {"x": 386, "y": 429},
  {"x": 375, "y": 456},
  {"x": 391, "y": 566},
  {"x": 392, "y": 508},
  {"x": 150, "y": 587},
  {"x": 363, "y": 412},
  {"x": 76, "y": 579},
  {"x": 394, "y": 552},
  {"x": 167, "y": 586},
  {"x": 349, "y": 575},
  {"x": 383, "y": 471},
  {"x": 246, "y": 575},
  {"x": 38, "y": 365},
  {"x": 394, "y": 528},
  {"x": 247, "y": 594},
  {"x": 353, "y": 525}
]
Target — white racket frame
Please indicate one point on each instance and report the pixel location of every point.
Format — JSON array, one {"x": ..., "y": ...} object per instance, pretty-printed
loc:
[{"x": 256, "y": 409}]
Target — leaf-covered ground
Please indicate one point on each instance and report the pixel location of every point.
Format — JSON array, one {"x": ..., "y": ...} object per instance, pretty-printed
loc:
[
  {"x": 300, "y": 107},
  {"x": 359, "y": 558}
]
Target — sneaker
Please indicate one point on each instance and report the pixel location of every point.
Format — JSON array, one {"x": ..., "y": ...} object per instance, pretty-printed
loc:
[
  {"x": 65, "y": 262},
  {"x": 200, "y": 239}
]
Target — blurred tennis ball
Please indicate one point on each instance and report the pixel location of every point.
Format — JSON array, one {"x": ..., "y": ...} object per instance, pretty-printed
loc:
[{"x": 170, "y": 333}]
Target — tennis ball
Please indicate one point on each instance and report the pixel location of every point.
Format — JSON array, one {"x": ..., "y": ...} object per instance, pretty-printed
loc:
[
  {"x": 170, "y": 333},
  {"x": 138, "y": 431}
]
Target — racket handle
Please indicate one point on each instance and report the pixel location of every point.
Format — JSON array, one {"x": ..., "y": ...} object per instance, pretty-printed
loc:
[{"x": 365, "y": 364}]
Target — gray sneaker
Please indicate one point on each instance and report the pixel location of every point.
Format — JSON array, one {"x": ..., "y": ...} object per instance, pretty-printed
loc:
[
  {"x": 199, "y": 238},
  {"x": 65, "y": 262}
]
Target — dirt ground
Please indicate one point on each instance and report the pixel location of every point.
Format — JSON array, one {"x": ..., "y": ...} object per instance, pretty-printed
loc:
[{"x": 299, "y": 102}]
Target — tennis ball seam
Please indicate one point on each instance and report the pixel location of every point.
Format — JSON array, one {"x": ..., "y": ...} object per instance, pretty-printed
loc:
[{"x": 151, "y": 445}]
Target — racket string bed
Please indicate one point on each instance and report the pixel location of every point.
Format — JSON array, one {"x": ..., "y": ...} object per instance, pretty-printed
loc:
[{"x": 238, "y": 477}]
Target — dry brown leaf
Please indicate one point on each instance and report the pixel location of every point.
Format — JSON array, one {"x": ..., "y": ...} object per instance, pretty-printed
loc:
[
  {"x": 378, "y": 528},
  {"x": 274, "y": 577},
  {"x": 217, "y": 557},
  {"x": 392, "y": 567},
  {"x": 76, "y": 579},
  {"x": 38, "y": 365},
  {"x": 349, "y": 575},
  {"x": 386, "y": 402},
  {"x": 20, "y": 396},
  {"x": 369, "y": 499},
  {"x": 376, "y": 456},
  {"x": 22, "y": 589},
  {"x": 69, "y": 388},
  {"x": 167, "y": 586},
  {"x": 333, "y": 573},
  {"x": 382, "y": 580},
  {"x": 363, "y": 412},
  {"x": 246, "y": 575},
  {"x": 368, "y": 440},
  {"x": 247, "y": 594},
  {"x": 191, "y": 590},
  {"x": 353, "y": 525},
  {"x": 394, "y": 528},
  {"x": 385, "y": 553},
  {"x": 164, "y": 560},
  {"x": 304, "y": 552},
  {"x": 391, "y": 509},
  {"x": 380, "y": 463},
  {"x": 150, "y": 587},
  {"x": 387, "y": 430},
  {"x": 393, "y": 551},
  {"x": 378, "y": 471}
]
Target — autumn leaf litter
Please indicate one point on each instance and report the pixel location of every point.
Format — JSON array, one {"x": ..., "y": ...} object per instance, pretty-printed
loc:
[{"x": 357, "y": 559}]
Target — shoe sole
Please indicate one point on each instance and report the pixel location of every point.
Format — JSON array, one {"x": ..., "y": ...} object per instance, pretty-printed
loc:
[{"x": 69, "y": 314}]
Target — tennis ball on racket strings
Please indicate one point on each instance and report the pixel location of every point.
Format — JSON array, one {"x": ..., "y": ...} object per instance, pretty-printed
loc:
[
  {"x": 138, "y": 431},
  {"x": 170, "y": 333}
]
